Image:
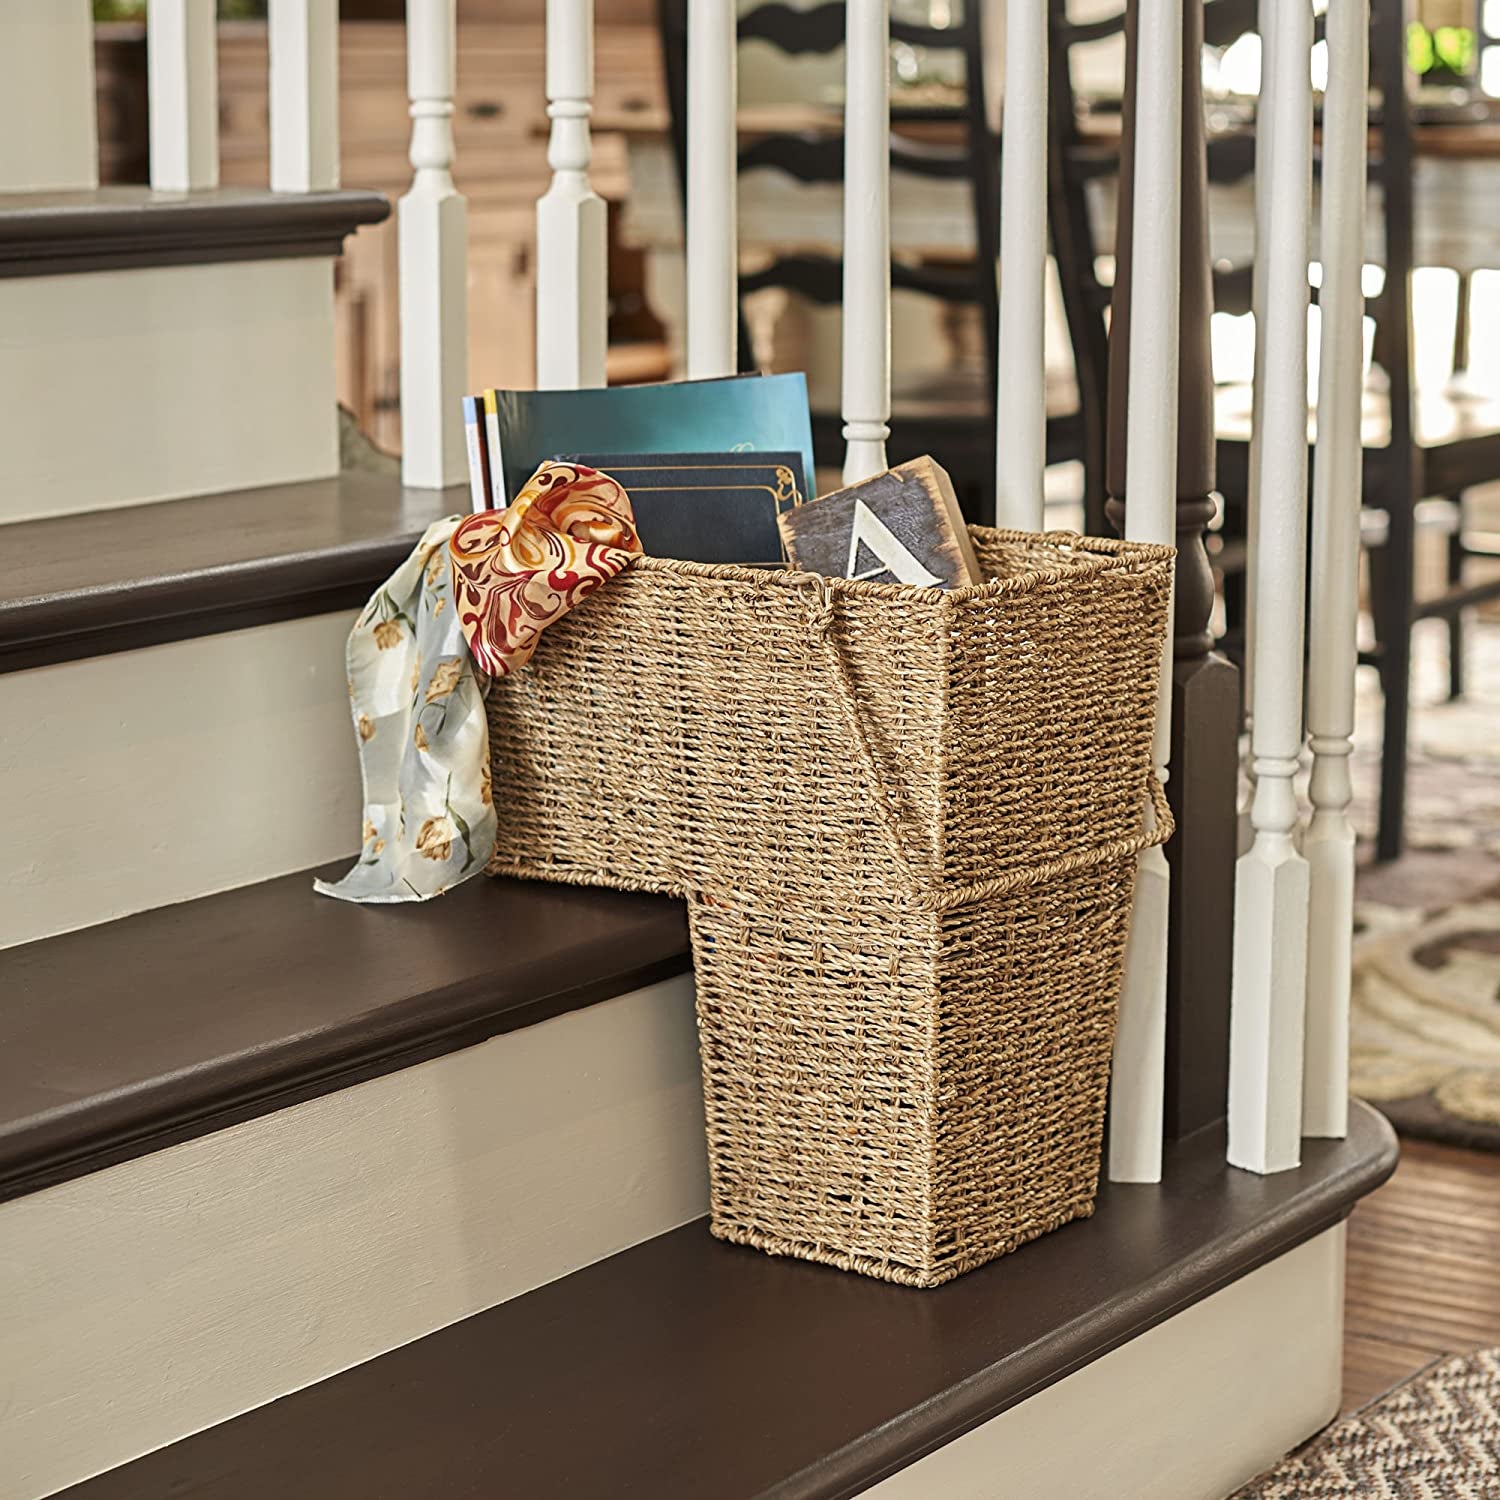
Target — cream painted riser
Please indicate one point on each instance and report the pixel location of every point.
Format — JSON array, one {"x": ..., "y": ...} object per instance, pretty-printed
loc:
[
  {"x": 163, "y": 1295},
  {"x": 153, "y": 776},
  {"x": 118, "y": 387},
  {"x": 1188, "y": 1411}
]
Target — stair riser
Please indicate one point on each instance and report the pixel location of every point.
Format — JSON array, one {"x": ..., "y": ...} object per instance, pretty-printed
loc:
[
  {"x": 169, "y": 1293},
  {"x": 1190, "y": 1410},
  {"x": 153, "y": 776},
  {"x": 123, "y": 386}
]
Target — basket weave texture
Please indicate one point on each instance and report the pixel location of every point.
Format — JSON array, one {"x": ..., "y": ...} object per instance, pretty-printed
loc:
[{"x": 906, "y": 823}]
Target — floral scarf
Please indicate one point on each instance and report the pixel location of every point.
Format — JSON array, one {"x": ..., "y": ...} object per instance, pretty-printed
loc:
[
  {"x": 424, "y": 745},
  {"x": 417, "y": 700},
  {"x": 568, "y": 532}
]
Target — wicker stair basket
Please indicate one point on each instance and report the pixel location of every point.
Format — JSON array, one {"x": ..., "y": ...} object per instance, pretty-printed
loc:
[{"x": 906, "y": 823}]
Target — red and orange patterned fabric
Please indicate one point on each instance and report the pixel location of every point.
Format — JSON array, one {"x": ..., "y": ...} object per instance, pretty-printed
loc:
[{"x": 515, "y": 571}]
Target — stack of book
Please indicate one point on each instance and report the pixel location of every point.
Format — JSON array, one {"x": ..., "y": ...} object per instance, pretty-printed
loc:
[{"x": 718, "y": 470}]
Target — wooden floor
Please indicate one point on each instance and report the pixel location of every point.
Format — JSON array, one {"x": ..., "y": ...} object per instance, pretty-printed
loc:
[{"x": 1424, "y": 1268}]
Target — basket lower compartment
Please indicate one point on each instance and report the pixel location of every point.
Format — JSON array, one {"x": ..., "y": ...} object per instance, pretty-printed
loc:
[{"x": 907, "y": 1094}]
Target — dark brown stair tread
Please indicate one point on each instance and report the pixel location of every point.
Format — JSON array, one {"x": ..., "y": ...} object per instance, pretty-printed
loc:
[
  {"x": 687, "y": 1368},
  {"x": 139, "y": 575},
  {"x": 125, "y": 227},
  {"x": 118, "y": 1039}
]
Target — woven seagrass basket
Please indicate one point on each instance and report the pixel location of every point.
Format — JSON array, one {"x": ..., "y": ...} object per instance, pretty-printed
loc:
[{"x": 906, "y": 824}]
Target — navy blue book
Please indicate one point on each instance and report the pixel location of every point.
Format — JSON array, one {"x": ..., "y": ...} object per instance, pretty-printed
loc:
[
  {"x": 750, "y": 414},
  {"x": 707, "y": 507}
]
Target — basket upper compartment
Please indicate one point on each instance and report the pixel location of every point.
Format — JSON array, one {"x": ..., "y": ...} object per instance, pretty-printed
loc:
[{"x": 693, "y": 728}]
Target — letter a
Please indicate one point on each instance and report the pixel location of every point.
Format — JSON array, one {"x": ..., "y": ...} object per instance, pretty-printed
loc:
[{"x": 882, "y": 541}]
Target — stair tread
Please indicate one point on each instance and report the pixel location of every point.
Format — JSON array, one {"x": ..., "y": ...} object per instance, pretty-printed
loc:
[
  {"x": 127, "y": 227},
  {"x": 119, "y": 1039},
  {"x": 112, "y": 580},
  {"x": 686, "y": 1367}
]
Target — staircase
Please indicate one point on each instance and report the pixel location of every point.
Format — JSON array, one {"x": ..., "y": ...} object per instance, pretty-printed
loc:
[{"x": 303, "y": 1198}]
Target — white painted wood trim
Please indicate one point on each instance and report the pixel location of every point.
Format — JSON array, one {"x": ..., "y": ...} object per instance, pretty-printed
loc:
[
  {"x": 49, "y": 134},
  {"x": 218, "y": 377},
  {"x": 572, "y": 300},
  {"x": 172, "y": 1292},
  {"x": 1190, "y": 1410},
  {"x": 712, "y": 240},
  {"x": 432, "y": 234},
  {"x": 1021, "y": 398},
  {"x": 1333, "y": 616},
  {"x": 132, "y": 801},
  {"x": 1260, "y": 268},
  {"x": 1271, "y": 883},
  {"x": 1138, "y": 1077},
  {"x": 867, "y": 238},
  {"x": 303, "y": 42},
  {"x": 182, "y": 67}
]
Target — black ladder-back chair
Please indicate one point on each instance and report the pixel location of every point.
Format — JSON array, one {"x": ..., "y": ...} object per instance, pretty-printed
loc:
[
  {"x": 952, "y": 419},
  {"x": 1396, "y": 474}
]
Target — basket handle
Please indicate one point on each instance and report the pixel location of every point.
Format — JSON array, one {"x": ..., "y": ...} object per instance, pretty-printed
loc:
[{"x": 927, "y": 894}]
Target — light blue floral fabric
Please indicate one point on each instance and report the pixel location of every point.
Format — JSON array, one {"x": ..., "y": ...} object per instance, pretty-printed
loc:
[{"x": 424, "y": 747}]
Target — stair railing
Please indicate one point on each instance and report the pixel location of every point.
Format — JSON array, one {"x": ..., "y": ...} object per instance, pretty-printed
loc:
[{"x": 1288, "y": 1032}]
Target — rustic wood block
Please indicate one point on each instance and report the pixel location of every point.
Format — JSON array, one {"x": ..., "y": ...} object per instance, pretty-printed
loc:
[{"x": 903, "y": 526}]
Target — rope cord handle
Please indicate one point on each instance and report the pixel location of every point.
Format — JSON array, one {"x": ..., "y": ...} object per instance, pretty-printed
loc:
[{"x": 925, "y": 892}]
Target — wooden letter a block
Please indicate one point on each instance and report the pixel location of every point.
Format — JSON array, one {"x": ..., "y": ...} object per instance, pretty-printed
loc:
[{"x": 903, "y": 526}]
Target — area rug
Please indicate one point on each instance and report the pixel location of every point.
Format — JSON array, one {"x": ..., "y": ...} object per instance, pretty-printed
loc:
[
  {"x": 1425, "y": 1020},
  {"x": 1425, "y": 1007},
  {"x": 1437, "y": 1437}
]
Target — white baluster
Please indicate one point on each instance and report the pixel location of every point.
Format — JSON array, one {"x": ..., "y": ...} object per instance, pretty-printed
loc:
[
  {"x": 182, "y": 69},
  {"x": 572, "y": 305},
  {"x": 1021, "y": 402},
  {"x": 303, "y": 38},
  {"x": 1259, "y": 309},
  {"x": 712, "y": 243},
  {"x": 433, "y": 238},
  {"x": 1138, "y": 1078},
  {"x": 867, "y": 238},
  {"x": 1333, "y": 614},
  {"x": 1270, "y": 926}
]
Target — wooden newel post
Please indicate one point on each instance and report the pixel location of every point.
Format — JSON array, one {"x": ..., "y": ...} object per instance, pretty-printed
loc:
[{"x": 1205, "y": 684}]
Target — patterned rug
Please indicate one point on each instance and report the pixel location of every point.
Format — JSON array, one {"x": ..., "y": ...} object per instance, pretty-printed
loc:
[
  {"x": 1437, "y": 1437},
  {"x": 1425, "y": 1024}
]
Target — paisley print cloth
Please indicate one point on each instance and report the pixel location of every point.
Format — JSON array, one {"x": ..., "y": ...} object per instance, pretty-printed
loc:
[
  {"x": 480, "y": 589},
  {"x": 568, "y": 532},
  {"x": 424, "y": 745}
]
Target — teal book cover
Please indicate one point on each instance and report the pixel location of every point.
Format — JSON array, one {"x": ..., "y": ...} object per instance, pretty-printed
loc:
[{"x": 740, "y": 414}]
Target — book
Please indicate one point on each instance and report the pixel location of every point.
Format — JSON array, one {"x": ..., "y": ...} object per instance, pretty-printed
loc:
[
  {"x": 739, "y": 414},
  {"x": 707, "y": 507},
  {"x": 903, "y": 526},
  {"x": 480, "y": 492}
]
